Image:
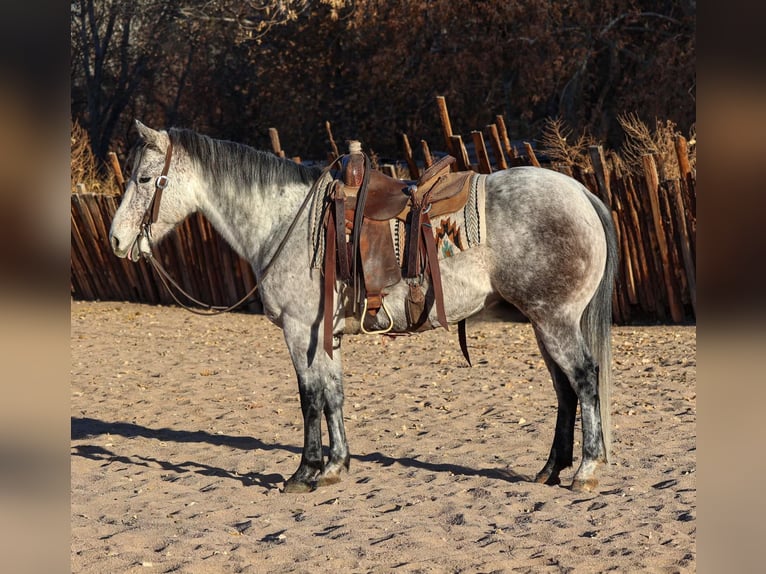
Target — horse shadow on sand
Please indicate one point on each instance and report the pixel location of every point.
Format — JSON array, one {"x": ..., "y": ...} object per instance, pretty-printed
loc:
[{"x": 85, "y": 428}]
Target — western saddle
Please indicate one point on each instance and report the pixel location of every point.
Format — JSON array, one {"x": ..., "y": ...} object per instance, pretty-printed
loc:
[{"x": 359, "y": 246}]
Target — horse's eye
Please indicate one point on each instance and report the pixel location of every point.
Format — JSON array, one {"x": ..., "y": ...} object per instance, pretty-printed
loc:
[{"x": 144, "y": 179}]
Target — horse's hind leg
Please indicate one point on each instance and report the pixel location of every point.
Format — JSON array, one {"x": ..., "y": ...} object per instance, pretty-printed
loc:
[
  {"x": 563, "y": 439},
  {"x": 566, "y": 348}
]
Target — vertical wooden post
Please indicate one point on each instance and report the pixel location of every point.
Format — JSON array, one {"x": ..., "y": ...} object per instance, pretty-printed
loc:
[
  {"x": 683, "y": 236},
  {"x": 497, "y": 147},
  {"x": 481, "y": 152},
  {"x": 115, "y": 163},
  {"x": 427, "y": 158},
  {"x": 628, "y": 277},
  {"x": 503, "y": 132},
  {"x": 655, "y": 281},
  {"x": 598, "y": 161},
  {"x": 411, "y": 164},
  {"x": 531, "y": 154},
  {"x": 100, "y": 227},
  {"x": 620, "y": 304},
  {"x": 653, "y": 186},
  {"x": 641, "y": 267},
  {"x": 441, "y": 103},
  {"x": 671, "y": 235},
  {"x": 92, "y": 243},
  {"x": 275, "y": 145},
  {"x": 333, "y": 145},
  {"x": 80, "y": 269},
  {"x": 685, "y": 170},
  {"x": 81, "y": 239},
  {"x": 461, "y": 154},
  {"x": 682, "y": 153}
]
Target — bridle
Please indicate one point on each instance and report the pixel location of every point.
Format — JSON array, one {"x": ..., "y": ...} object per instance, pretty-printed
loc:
[
  {"x": 145, "y": 246},
  {"x": 153, "y": 211}
]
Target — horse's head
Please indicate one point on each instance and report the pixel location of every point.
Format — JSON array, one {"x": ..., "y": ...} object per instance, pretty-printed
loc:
[{"x": 153, "y": 202}]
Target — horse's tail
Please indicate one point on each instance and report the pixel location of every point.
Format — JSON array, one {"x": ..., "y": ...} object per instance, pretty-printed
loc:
[{"x": 596, "y": 322}]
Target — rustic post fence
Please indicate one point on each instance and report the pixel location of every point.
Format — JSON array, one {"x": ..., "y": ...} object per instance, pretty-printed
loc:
[{"x": 655, "y": 223}]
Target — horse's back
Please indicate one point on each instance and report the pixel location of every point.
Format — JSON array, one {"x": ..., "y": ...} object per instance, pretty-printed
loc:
[{"x": 548, "y": 241}]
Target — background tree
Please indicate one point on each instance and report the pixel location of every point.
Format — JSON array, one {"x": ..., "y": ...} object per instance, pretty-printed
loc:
[
  {"x": 233, "y": 69},
  {"x": 109, "y": 63}
]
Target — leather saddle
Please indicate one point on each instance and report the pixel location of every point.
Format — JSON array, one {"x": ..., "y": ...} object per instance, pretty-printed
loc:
[{"x": 359, "y": 245}]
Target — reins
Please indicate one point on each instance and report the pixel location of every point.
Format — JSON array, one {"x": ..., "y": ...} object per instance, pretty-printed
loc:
[{"x": 151, "y": 215}]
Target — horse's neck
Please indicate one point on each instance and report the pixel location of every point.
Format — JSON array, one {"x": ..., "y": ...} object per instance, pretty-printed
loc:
[{"x": 253, "y": 221}]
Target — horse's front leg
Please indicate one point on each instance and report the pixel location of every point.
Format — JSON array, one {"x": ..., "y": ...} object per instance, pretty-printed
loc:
[
  {"x": 312, "y": 463},
  {"x": 339, "y": 458},
  {"x": 321, "y": 392}
]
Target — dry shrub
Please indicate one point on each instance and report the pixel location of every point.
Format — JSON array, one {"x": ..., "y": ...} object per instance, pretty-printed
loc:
[
  {"x": 557, "y": 144},
  {"x": 85, "y": 173},
  {"x": 660, "y": 142}
]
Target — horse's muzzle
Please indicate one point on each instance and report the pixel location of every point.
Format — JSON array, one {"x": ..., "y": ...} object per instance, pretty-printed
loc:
[
  {"x": 115, "y": 244},
  {"x": 125, "y": 249}
]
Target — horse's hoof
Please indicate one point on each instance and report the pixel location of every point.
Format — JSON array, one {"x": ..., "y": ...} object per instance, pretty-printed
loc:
[
  {"x": 579, "y": 485},
  {"x": 296, "y": 486},
  {"x": 550, "y": 479},
  {"x": 327, "y": 479}
]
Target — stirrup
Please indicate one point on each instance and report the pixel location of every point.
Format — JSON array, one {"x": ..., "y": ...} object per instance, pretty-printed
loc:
[{"x": 380, "y": 331}]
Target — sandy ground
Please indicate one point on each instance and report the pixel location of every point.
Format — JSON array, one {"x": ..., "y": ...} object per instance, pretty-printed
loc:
[{"x": 184, "y": 428}]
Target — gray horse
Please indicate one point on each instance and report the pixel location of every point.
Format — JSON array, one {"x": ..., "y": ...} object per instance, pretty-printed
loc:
[{"x": 550, "y": 250}]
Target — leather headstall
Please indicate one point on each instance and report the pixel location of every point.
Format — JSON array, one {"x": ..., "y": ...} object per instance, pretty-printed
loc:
[{"x": 152, "y": 212}]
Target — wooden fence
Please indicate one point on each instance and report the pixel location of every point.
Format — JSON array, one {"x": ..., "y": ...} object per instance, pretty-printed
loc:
[
  {"x": 656, "y": 231},
  {"x": 655, "y": 222},
  {"x": 194, "y": 254}
]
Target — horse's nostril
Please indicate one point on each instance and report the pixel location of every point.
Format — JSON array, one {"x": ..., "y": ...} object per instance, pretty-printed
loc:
[{"x": 114, "y": 242}]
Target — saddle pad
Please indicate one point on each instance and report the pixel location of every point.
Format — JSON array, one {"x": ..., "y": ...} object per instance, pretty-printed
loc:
[{"x": 454, "y": 232}]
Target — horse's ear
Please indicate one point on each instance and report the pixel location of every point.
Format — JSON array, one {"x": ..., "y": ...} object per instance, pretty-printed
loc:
[{"x": 150, "y": 136}]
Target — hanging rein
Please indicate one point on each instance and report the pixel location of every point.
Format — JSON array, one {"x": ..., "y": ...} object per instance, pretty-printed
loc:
[{"x": 145, "y": 246}]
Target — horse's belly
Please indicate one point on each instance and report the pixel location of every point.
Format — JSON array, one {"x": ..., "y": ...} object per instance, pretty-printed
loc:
[{"x": 465, "y": 284}]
